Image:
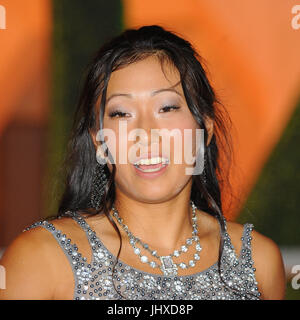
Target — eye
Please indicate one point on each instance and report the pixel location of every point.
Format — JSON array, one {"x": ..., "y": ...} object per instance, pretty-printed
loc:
[
  {"x": 167, "y": 108},
  {"x": 117, "y": 113}
]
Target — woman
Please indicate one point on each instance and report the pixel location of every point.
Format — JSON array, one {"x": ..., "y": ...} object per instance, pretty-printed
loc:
[{"x": 144, "y": 228}]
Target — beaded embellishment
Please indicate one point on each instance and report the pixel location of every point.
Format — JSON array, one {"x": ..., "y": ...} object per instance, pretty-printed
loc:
[{"x": 96, "y": 281}]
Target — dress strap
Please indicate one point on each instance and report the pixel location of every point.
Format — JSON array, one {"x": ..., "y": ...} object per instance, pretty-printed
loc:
[
  {"x": 246, "y": 252},
  {"x": 79, "y": 265},
  {"x": 246, "y": 249},
  {"x": 70, "y": 249},
  {"x": 92, "y": 238},
  {"x": 81, "y": 221}
]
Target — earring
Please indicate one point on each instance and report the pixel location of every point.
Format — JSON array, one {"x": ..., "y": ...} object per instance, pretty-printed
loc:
[
  {"x": 203, "y": 172},
  {"x": 99, "y": 182}
]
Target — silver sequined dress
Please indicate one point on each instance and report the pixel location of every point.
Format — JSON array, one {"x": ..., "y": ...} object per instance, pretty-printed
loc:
[{"x": 94, "y": 281}]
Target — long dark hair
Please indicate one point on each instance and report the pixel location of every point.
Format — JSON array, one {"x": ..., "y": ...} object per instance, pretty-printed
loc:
[{"x": 131, "y": 46}]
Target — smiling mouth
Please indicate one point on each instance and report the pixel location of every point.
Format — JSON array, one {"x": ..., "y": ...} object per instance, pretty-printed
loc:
[{"x": 151, "y": 165}]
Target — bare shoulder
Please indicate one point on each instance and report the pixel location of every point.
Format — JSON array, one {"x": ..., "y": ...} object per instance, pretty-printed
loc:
[
  {"x": 31, "y": 263},
  {"x": 28, "y": 266},
  {"x": 268, "y": 262},
  {"x": 270, "y": 271}
]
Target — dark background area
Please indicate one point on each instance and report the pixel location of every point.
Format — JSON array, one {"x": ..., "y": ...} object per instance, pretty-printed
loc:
[{"x": 80, "y": 28}]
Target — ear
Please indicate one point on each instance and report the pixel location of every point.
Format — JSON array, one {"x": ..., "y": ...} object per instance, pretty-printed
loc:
[
  {"x": 209, "y": 124},
  {"x": 97, "y": 145},
  {"x": 93, "y": 137}
]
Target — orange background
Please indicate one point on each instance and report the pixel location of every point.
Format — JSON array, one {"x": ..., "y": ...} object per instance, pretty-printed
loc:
[
  {"x": 24, "y": 60},
  {"x": 25, "y": 51}
]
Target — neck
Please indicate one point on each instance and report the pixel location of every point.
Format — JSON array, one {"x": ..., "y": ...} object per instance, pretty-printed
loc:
[{"x": 163, "y": 226}]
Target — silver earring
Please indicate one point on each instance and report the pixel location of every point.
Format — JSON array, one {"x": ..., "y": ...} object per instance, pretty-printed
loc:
[
  {"x": 203, "y": 172},
  {"x": 99, "y": 182}
]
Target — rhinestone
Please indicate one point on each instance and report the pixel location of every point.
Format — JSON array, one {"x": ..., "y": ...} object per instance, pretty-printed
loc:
[
  {"x": 167, "y": 262},
  {"x": 182, "y": 265},
  {"x": 189, "y": 241},
  {"x": 184, "y": 248},
  {"x": 176, "y": 253},
  {"x": 137, "y": 251},
  {"x": 100, "y": 255},
  {"x": 198, "y": 247},
  {"x": 132, "y": 241},
  {"x": 192, "y": 263},
  {"x": 196, "y": 256},
  {"x": 144, "y": 259}
]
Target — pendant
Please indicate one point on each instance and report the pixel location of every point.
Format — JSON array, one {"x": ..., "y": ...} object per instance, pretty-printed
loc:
[{"x": 168, "y": 267}]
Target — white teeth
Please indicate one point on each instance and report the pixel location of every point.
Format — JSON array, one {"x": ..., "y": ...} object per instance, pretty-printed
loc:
[{"x": 154, "y": 160}]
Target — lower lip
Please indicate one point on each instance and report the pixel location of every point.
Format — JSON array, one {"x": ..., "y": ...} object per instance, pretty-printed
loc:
[{"x": 151, "y": 175}]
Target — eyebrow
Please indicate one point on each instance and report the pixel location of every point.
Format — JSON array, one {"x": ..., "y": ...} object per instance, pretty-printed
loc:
[{"x": 153, "y": 93}]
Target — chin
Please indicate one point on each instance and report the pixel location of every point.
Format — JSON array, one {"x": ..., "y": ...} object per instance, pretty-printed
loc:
[{"x": 152, "y": 199}]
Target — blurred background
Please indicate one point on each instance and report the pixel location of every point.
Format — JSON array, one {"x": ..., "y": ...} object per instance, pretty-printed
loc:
[{"x": 251, "y": 51}]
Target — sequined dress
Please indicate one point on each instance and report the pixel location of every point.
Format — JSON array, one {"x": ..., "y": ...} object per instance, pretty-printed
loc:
[{"x": 94, "y": 281}]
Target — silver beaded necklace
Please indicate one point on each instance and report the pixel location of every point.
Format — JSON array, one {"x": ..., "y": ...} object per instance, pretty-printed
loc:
[{"x": 167, "y": 266}]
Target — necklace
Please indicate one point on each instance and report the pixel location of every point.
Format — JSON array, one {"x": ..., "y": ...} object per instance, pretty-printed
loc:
[{"x": 168, "y": 267}]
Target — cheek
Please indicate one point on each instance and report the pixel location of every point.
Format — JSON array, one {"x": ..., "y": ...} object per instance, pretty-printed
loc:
[
  {"x": 183, "y": 142},
  {"x": 118, "y": 146},
  {"x": 114, "y": 140}
]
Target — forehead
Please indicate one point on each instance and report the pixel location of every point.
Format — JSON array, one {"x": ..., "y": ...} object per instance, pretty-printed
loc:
[{"x": 145, "y": 75}]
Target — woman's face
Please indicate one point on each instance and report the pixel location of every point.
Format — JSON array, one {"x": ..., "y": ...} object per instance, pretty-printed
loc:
[{"x": 143, "y": 97}]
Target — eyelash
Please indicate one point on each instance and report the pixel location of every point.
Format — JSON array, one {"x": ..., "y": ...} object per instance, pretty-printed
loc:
[{"x": 118, "y": 112}]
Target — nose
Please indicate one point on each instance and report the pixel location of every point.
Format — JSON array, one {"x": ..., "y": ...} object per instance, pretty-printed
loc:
[{"x": 145, "y": 133}]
